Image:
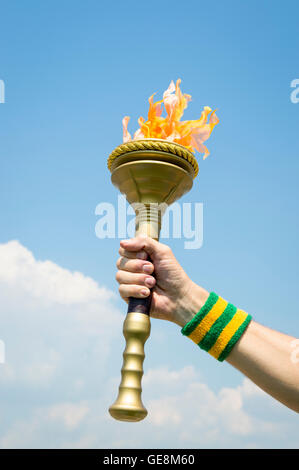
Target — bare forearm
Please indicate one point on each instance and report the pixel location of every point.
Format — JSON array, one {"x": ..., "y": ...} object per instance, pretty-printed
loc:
[
  {"x": 262, "y": 354},
  {"x": 265, "y": 356}
]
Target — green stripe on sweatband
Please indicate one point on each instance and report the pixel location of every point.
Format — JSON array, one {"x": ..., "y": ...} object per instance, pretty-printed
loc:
[
  {"x": 217, "y": 327},
  {"x": 235, "y": 339},
  {"x": 192, "y": 324},
  {"x": 211, "y": 336}
]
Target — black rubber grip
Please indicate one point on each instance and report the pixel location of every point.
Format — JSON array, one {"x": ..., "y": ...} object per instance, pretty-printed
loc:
[{"x": 140, "y": 305}]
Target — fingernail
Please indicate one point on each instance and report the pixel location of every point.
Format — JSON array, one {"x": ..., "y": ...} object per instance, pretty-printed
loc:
[
  {"x": 144, "y": 292},
  {"x": 149, "y": 281},
  {"x": 147, "y": 268}
]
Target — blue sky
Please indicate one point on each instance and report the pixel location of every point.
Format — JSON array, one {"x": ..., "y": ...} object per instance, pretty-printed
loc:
[{"x": 72, "y": 70}]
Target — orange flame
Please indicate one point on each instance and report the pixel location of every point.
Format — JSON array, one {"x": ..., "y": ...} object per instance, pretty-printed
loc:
[{"x": 192, "y": 134}]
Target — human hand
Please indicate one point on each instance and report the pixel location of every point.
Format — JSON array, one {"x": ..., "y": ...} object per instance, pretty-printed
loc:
[{"x": 174, "y": 296}]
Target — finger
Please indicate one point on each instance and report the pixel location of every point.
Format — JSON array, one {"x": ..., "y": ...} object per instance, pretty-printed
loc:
[
  {"x": 134, "y": 265},
  {"x": 148, "y": 244},
  {"x": 125, "y": 277},
  {"x": 131, "y": 290},
  {"x": 129, "y": 254}
]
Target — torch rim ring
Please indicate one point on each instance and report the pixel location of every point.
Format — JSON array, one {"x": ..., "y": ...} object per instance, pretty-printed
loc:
[{"x": 154, "y": 144}]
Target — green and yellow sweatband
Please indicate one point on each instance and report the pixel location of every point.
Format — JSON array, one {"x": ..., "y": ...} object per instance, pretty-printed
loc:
[{"x": 217, "y": 326}]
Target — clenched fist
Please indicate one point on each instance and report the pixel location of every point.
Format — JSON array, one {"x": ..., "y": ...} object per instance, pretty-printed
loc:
[{"x": 175, "y": 297}]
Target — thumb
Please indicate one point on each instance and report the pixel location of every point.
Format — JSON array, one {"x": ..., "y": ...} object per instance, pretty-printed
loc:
[{"x": 143, "y": 242}]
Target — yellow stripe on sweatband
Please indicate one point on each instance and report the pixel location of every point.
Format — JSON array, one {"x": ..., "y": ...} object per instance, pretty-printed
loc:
[
  {"x": 207, "y": 322},
  {"x": 227, "y": 333}
]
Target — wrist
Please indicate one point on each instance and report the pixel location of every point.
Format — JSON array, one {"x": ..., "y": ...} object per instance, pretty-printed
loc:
[{"x": 191, "y": 302}]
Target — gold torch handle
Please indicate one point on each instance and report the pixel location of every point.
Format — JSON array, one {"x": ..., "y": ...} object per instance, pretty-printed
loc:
[
  {"x": 128, "y": 406},
  {"x": 136, "y": 329}
]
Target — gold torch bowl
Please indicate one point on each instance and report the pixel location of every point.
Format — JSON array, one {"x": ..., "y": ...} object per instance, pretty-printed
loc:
[{"x": 152, "y": 171}]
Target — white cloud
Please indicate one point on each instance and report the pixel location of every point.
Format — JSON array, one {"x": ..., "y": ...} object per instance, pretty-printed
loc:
[
  {"x": 45, "y": 280},
  {"x": 69, "y": 414},
  {"x": 198, "y": 405},
  {"x": 48, "y": 315},
  {"x": 163, "y": 376},
  {"x": 41, "y": 373},
  {"x": 61, "y": 419}
]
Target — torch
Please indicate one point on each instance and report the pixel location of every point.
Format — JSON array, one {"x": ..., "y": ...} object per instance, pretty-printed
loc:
[{"x": 153, "y": 170}]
